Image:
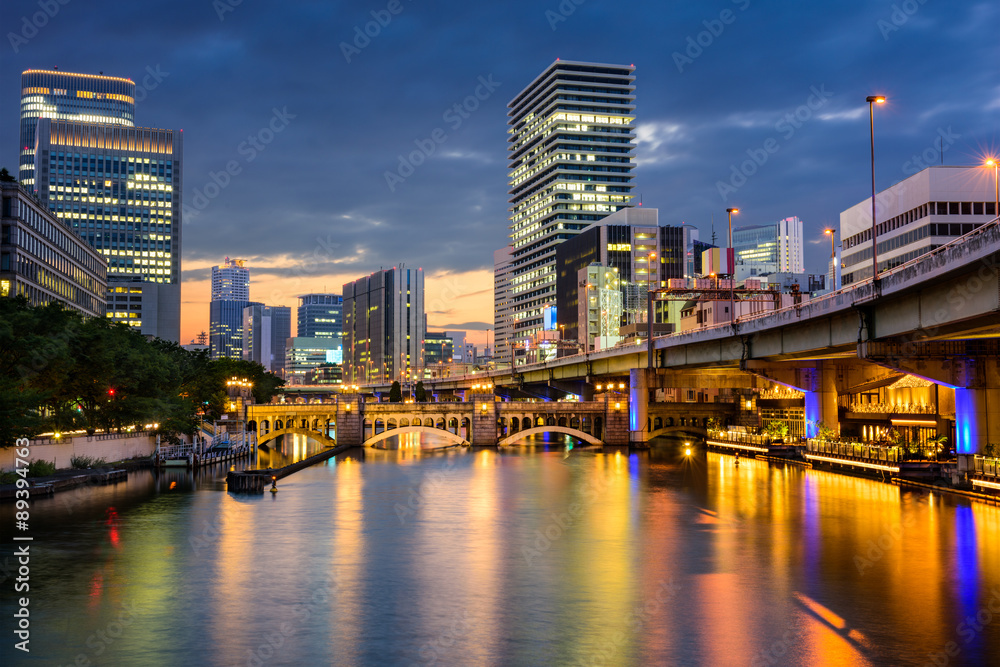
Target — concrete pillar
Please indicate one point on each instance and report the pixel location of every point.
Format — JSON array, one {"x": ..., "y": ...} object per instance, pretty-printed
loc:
[
  {"x": 977, "y": 419},
  {"x": 350, "y": 420},
  {"x": 821, "y": 399},
  {"x": 638, "y": 404},
  {"x": 484, "y": 420}
]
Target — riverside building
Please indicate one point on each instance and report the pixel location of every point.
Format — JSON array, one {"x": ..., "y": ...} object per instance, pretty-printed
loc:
[{"x": 230, "y": 295}]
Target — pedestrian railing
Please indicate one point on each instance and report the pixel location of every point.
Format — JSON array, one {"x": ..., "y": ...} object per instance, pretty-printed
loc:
[
  {"x": 856, "y": 450},
  {"x": 987, "y": 466}
]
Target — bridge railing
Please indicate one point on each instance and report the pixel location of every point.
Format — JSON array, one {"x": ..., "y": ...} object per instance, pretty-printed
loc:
[
  {"x": 987, "y": 466},
  {"x": 857, "y": 450},
  {"x": 760, "y": 439}
]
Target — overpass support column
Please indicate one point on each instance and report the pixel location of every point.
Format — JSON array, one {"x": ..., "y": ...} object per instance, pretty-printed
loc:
[
  {"x": 638, "y": 405},
  {"x": 821, "y": 400},
  {"x": 484, "y": 420},
  {"x": 977, "y": 411},
  {"x": 350, "y": 420}
]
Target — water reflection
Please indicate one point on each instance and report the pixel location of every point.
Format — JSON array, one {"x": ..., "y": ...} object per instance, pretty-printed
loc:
[{"x": 537, "y": 554}]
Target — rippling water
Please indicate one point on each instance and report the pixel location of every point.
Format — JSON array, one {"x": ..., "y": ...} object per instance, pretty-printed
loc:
[{"x": 534, "y": 555}]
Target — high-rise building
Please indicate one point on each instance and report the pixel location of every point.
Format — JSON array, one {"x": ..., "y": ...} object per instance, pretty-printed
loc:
[
  {"x": 438, "y": 350},
  {"x": 266, "y": 329},
  {"x": 43, "y": 260},
  {"x": 502, "y": 321},
  {"x": 914, "y": 217},
  {"x": 230, "y": 295},
  {"x": 384, "y": 326},
  {"x": 571, "y": 153},
  {"x": 320, "y": 315},
  {"x": 305, "y": 355},
  {"x": 87, "y": 98},
  {"x": 119, "y": 188},
  {"x": 765, "y": 249}
]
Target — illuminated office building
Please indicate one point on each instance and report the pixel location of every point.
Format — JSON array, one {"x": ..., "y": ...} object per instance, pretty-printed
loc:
[
  {"x": 266, "y": 330},
  {"x": 42, "y": 259},
  {"x": 230, "y": 295},
  {"x": 320, "y": 316},
  {"x": 58, "y": 95},
  {"x": 384, "y": 326},
  {"x": 119, "y": 188},
  {"x": 765, "y": 249},
  {"x": 571, "y": 152}
]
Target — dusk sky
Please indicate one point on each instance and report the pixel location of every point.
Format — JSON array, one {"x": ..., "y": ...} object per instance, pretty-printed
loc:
[{"x": 312, "y": 208}]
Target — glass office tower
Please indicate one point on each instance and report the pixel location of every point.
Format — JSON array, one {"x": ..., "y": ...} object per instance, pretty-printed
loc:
[
  {"x": 571, "y": 152},
  {"x": 69, "y": 96}
]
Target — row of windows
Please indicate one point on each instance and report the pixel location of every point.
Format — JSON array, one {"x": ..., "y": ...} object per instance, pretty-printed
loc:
[
  {"x": 920, "y": 212},
  {"x": 65, "y": 241},
  {"x": 866, "y": 271},
  {"x": 44, "y": 277},
  {"x": 38, "y": 297},
  {"x": 934, "y": 229}
]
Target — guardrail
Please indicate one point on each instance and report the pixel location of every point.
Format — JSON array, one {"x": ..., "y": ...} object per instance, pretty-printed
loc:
[
  {"x": 857, "y": 450},
  {"x": 987, "y": 466}
]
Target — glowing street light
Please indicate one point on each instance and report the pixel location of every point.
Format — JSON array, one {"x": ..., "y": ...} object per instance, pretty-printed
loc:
[
  {"x": 996, "y": 180},
  {"x": 832, "y": 234},
  {"x": 732, "y": 270},
  {"x": 872, "y": 101}
]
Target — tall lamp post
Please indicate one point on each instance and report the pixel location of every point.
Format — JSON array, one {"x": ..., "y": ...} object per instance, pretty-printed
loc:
[
  {"x": 996, "y": 180},
  {"x": 649, "y": 310},
  {"x": 732, "y": 269},
  {"x": 832, "y": 233},
  {"x": 872, "y": 101}
]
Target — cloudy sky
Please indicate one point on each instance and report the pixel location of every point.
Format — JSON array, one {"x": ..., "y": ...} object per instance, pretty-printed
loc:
[{"x": 311, "y": 113}]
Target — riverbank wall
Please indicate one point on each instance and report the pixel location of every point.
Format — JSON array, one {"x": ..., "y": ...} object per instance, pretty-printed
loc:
[{"x": 110, "y": 447}]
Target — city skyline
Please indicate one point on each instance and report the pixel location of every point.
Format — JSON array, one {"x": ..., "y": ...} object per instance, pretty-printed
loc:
[{"x": 269, "y": 176}]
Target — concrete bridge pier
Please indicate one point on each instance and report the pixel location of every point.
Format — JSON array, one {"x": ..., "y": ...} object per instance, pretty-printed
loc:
[
  {"x": 616, "y": 423},
  {"x": 638, "y": 405},
  {"x": 484, "y": 420},
  {"x": 817, "y": 380}
]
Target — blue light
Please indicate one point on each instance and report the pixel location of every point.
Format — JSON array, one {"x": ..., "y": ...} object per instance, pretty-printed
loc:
[
  {"x": 812, "y": 414},
  {"x": 965, "y": 418}
]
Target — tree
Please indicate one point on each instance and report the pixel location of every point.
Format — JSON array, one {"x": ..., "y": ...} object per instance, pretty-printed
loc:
[
  {"x": 395, "y": 393},
  {"x": 5, "y": 176},
  {"x": 421, "y": 393}
]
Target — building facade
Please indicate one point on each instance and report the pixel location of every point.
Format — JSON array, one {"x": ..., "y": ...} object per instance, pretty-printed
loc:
[
  {"x": 266, "y": 330},
  {"x": 43, "y": 260},
  {"x": 320, "y": 316},
  {"x": 914, "y": 217},
  {"x": 764, "y": 249},
  {"x": 305, "y": 356},
  {"x": 384, "y": 326},
  {"x": 86, "y": 98},
  {"x": 502, "y": 321},
  {"x": 230, "y": 295},
  {"x": 571, "y": 156},
  {"x": 438, "y": 350},
  {"x": 119, "y": 188}
]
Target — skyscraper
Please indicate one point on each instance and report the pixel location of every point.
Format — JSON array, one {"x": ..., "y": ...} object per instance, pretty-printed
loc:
[
  {"x": 571, "y": 148},
  {"x": 384, "y": 326},
  {"x": 266, "y": 330},
  {"x": 320, "y": 315},
  {"x": 87, "y": 98},
  {"x": 230, "y": 295},
  {"x": 502, "y": 322},
  {"x": 119, "y": 188}
]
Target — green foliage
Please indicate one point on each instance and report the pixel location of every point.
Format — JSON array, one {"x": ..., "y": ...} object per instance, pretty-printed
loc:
[
  {"x": 991, "y": 450},
  {"x": 395, "y": 393},
  {"x": 40, "y": 468},
  {"x": 825, "y": 432},
  {"x": 421, "y": 393},
  {"x": 84, "y": 462},
  {"x": 60, "y": 372},
  {"x": 777, "y": 429},
  {"x": 5, "y": 176}
]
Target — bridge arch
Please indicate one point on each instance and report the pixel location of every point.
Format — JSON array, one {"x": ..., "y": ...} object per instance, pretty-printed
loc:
[
  {"x": 580, "y": 435},
  {"x": 696, "y": 431},
  {"x": 447, "y": 435},
  {"x": 319, "y": 436}
]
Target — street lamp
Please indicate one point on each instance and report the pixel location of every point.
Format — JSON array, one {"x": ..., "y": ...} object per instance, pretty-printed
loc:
[
  {"x": 833, "y": 256},
  {"x": 732, "y": 270},
  {"x": 996, "y": 180},
  {"x": 872, "y": 101},
  {"x": 649, "y": 310}
]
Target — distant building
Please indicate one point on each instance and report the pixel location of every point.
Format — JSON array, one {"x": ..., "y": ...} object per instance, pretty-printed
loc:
[
  {"x": 438, "y": 350},
  {"x": 503, "y": 324},
  {"x": 320, "y": 316},
  {"x": 43, "y": 260},
  {"x": 266, "y": 329},
  {"x": 916, "y": 216},
  {"x": 600, "y": 310},
  {"x": 89, "y": 98},
  {"x": 384, "y": 326},
  {"x": 119, "y": 188},
  {"x": 303, "y": 355},
  {"x": 764, "y": 249},
  {"x": 571, "y": 156},
  {"x": 230, "y": 295}
]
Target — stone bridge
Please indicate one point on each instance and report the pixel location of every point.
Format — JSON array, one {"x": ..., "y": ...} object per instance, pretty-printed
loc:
[{"x": 482, "y": 420}]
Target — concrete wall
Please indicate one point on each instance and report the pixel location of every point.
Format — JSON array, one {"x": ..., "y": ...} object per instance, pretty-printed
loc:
[{"x": 107, "y": 447}]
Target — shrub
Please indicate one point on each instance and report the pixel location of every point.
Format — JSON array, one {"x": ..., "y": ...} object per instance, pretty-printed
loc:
[
  {"x": 40, "y": 468},
  {"x": 83, "y": 462}
]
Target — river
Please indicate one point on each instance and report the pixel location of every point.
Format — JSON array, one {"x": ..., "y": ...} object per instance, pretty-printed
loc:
[{"x": 535, "y": 555}]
